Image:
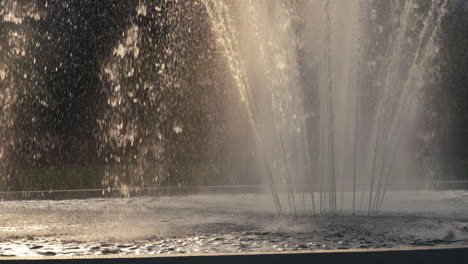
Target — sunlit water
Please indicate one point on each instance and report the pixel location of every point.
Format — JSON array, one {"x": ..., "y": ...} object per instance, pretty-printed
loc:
[
  {"x": 341, "y": 91},
  {"x": 223, "y": 223},
  {"x": 294, "y": 93}
]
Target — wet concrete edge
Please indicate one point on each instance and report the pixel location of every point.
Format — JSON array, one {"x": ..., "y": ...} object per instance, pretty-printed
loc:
[{"x": 425, "y": 255}]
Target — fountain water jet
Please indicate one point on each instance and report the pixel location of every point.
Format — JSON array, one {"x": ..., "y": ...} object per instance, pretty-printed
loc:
[
  {"x": 308, "y": 72},
  {"x": 353, "y": 50},
  {"x": 334, "y": 96}
]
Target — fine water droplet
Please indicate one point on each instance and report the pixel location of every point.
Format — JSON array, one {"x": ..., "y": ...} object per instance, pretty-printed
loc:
[{"x": 177, "y": 129}]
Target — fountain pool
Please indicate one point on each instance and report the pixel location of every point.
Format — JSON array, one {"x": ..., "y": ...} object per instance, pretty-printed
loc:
[
  {"x": 336, "y": 106},
  {"x": 207, "y": 223}
]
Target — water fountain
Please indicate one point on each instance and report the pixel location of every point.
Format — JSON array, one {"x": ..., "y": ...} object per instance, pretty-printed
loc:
[
  {"x": 327, "y": 103},
  {"x": 369, "y": 70}
]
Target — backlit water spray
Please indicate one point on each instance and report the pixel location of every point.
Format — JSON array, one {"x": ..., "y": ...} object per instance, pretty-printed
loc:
[
  {"x": 186, "y": 110},
  {"x": 334, "y": 91}
]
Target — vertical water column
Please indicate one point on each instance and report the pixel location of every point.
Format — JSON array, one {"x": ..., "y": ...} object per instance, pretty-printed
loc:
[
  {"x": 259, "y": 40},
  {"x": 221, "y": 15},
  {"x": 368, "y": 58},
  {"x": 409, "y": 77},
  {"x": 331, "y": 37}
]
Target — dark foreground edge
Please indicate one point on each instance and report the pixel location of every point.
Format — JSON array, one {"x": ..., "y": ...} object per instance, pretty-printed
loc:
[{"x": 401, "y": 255}]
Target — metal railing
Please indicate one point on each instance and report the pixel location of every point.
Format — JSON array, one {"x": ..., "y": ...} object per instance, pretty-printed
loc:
[{"x": 174, "y": 191}]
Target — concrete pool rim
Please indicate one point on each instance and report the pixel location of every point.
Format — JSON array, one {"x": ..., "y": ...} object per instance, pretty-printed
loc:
[{"x": 439, "y": 254}]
